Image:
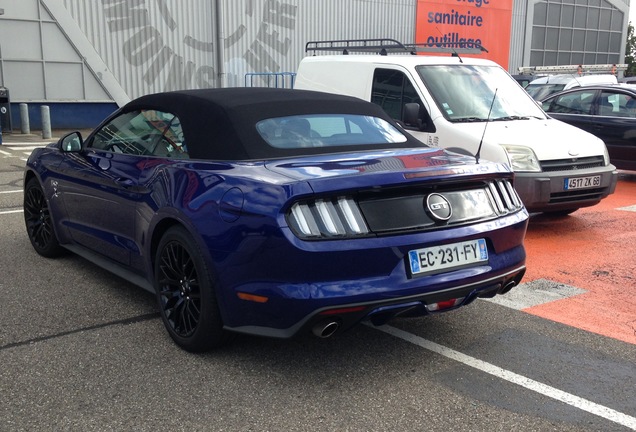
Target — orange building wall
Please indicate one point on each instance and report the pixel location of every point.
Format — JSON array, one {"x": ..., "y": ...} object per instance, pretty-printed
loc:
[{"x": 486, "y": 22}]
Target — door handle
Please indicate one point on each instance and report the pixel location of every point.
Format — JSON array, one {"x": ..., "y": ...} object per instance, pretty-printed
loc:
[
  {"x": 124, "y": 182},
  {"x": 130, "y": 186}
]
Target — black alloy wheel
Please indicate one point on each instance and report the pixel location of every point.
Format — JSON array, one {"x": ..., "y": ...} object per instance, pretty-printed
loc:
[
  {"x": 37, "y": 218},
  {"x": 185, "y": 293}
]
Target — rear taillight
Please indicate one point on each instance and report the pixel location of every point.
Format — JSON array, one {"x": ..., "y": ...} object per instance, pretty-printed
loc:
[
  {"x": 504, "y": 196},
  {"x": 327, "y": 218}
]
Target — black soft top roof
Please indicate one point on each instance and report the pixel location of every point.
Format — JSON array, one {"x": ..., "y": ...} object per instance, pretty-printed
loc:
[{"x": 219, "y": 124}]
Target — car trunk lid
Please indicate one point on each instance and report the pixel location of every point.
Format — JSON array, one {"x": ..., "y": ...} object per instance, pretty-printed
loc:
[{"x": 381, "y": 168}]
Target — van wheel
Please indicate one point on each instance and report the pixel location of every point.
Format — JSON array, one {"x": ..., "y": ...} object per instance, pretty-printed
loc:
[{"x": 560, "y": 213}]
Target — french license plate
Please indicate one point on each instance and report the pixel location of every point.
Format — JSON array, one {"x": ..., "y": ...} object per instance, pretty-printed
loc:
[
  {"x": 446, "y": 257},
  {"x": 581, "y": 182}
]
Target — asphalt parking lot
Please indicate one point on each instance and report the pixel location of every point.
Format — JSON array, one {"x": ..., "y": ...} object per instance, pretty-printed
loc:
[{"x": 84, "y": 350}]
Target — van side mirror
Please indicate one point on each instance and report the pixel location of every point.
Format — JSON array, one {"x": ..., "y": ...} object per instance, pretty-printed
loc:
[
  {"x": 412, "y": 118},
  {"x": 71, "y": 143}
]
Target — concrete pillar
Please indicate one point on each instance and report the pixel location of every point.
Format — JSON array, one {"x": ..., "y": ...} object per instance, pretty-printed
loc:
[
  {"x": 25, "y": 128},
  {"x": 46, "y": 121}
]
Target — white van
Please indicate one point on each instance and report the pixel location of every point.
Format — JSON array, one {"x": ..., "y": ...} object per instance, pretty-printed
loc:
[
  {"x": 543, "y": 87},
  {"x": 474, "y": 107}
]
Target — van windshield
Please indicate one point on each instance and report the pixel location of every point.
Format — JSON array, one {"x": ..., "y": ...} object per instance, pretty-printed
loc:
[{"x": 465, "y": 93}]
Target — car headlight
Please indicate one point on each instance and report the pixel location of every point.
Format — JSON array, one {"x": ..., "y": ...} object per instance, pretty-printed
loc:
[
  {"x": 606, "y": 156},
  {"x": 522, "y": 158}
]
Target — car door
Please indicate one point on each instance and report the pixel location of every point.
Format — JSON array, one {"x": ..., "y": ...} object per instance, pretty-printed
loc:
[
  {"x": 616, "y": 124},
  {"x": 100, "y": 185}
]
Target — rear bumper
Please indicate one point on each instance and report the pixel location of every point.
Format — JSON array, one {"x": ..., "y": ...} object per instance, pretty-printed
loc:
[
  {"x": 545, "y": 191},
  {"x": 378, "y": 312},
  {"x": 299, "y": 282}
]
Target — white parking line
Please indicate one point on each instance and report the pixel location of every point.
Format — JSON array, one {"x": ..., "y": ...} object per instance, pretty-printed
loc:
[
  {"x": 530, "y": 384},
  {"x": 11, "y": 191},
  {"x": 629, "y": 208},
  {"x": 11, "y": 212},
  {"x": 23, "y": 149},
  {"x": 30, "y": 146},
  {"x": 533, "y": 293}
]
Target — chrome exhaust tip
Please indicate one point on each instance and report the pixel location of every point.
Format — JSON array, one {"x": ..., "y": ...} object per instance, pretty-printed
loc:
[
  {"x": 507, "y": 287},
  {"x": 325, "y": 329}
]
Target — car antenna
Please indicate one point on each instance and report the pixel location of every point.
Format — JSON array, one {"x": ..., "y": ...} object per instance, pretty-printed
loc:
[
  {"x": 455, "y": 53},
  {"x": 492, "y": 102}
]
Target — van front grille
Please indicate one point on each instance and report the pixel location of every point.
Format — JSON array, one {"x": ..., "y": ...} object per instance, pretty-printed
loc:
[
  {"x": 577, "y": 195},
  {"x": 572, "y": 164}
]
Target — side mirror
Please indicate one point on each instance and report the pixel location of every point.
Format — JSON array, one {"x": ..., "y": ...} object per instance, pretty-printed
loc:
[
  {"x": 71, "y": 143},
  {"x": 412, "y": 118}
]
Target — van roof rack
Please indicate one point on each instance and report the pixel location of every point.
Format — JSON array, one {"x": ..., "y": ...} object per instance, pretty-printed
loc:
[
  {"x": 571, "y": 69},
  {"x": 385, "y": 46}
]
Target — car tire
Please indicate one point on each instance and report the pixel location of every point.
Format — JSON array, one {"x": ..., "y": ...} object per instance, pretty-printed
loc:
[
  {"x": 38, "y": 221},
  {"x": 561, "y": 213},
  {"x": 185, "y": 291}
]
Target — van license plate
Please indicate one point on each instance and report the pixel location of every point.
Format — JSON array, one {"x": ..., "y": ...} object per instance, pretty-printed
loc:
[
  {"x": 446, "y": 257},
  {"x": 581, "y": 182}
]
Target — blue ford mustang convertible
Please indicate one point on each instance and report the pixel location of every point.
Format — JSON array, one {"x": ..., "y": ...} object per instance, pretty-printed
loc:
[{"x": 275, "y": 212}]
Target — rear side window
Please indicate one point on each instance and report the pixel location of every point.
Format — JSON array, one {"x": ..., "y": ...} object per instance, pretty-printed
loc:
[{"x": 616, "y": 105}]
